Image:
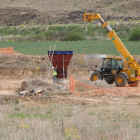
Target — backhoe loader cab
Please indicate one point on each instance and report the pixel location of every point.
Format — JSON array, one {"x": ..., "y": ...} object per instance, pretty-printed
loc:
[
  {"x": 109, "y": 69},
  {"x": 110, "y": 64}
]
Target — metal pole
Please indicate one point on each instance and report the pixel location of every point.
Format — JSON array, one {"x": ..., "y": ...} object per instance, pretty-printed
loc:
[
  {"x": 63, "y": 68},
  {"x": 52, "y": 58}
]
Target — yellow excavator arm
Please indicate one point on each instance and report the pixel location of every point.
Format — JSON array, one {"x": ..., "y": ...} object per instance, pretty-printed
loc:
[{"x": 134, "y": 68}]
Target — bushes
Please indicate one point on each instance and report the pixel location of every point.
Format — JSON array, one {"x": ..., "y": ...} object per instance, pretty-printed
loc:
[
  {"x": 135, "y": 35},
  {"x": 68, "y": 32},
  {"x": 61, "y": 36},
  {"x": 73, "y": 36}
]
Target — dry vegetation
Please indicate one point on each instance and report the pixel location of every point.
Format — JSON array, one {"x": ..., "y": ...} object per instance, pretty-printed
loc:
[{"x": 56, "y": 122}]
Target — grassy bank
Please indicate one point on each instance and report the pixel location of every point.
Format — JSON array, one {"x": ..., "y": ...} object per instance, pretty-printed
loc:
[
  {"x": 69, "y": 32},
  {"x": 79, "y": 47}
]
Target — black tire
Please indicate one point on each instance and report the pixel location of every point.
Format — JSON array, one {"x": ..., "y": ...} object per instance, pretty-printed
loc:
[
  {"x": 110, "y": 81},
  {"x": 120, "y": 80},
  {"x": 96, "y": 76}
]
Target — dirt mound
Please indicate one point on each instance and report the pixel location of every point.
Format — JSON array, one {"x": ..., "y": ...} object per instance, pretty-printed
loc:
[
  {"x": 19, "y": 65},
  {"x": 17, "y": 16},
  {"x": 36, "y": 66},
  {"x": 20, "y": 61},
  {"x": 13, "y": 16},
  {"x": 38, "y": 83},
  {"x": 65, "y": 11}
]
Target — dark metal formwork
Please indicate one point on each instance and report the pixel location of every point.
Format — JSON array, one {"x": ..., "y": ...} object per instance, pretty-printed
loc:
[{"x": 60, "y": 60}]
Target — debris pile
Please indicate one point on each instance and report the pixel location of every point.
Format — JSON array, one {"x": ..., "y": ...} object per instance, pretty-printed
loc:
[{"x": 38, "y": 86}]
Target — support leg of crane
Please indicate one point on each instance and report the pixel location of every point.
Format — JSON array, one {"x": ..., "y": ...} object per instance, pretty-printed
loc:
[{"x": 133, "y": 84}]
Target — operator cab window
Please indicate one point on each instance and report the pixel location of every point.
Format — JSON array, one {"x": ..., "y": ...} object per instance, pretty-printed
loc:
[
  {"x": 120, "y": 64},
  {"x": 114, "y": 64},
  {"x": 106, "y": 63}
]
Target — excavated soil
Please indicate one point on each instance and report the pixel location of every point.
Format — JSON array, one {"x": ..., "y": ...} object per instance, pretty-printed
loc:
[{"x": 20, "y": 72}]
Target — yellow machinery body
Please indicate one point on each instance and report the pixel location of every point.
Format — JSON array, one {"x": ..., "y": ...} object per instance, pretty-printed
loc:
[{"x": 132, "y": 68}]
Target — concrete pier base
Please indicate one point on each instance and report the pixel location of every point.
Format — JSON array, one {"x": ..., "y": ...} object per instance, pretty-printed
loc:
[{"x": 61, "y": 80}]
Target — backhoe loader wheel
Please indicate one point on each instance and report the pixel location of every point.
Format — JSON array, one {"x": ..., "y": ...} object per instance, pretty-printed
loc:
[
  {"x": 96, "y": 76},
  {"x": 120, "y": 80}
]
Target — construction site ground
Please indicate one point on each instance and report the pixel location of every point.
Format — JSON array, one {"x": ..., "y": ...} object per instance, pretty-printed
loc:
[
  {"x": 21, "y": 78},
  {"x": 64, "y": 97},
  {"x": 32, "y": 107}
]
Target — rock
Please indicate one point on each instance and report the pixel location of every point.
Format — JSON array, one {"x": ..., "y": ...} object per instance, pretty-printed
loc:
[{"x": 23, "y": 92}]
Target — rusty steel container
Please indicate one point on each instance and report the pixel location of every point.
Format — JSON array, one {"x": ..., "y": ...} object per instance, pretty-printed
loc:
[{"x": 60, "y": 60}]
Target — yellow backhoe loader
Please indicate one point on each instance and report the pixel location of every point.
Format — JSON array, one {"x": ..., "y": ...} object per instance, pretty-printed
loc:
[{"x": 121, "y": 70}]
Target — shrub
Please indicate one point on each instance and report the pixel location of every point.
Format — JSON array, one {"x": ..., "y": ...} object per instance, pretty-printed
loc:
[
  {"x": 50, "y": 22},
  {"x": 135, "y": 35},
  {"x": 73, "y": 36}
]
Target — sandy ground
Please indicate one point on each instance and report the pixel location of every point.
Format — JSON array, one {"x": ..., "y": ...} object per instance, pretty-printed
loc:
[
  {"x": 11, "y": 83},
  {"x": 101, "y": 95},
  {"x": 10, "y": 86}
]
